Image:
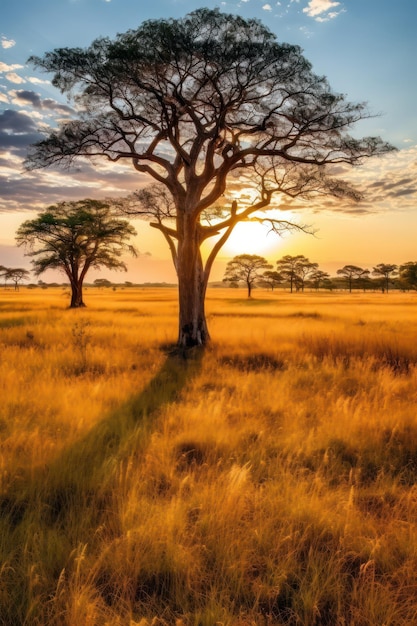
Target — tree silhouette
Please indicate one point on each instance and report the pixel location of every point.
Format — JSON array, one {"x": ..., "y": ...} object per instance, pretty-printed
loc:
[
  {"x": 198, "y": 104},
  {"x": 408, "y": 274},
  {"x": 246, "y": 268},
  {"x": 319, "y": 278},
  {"x": 272, "y": 278},
  {"x": 16, "y": 275},
  {"x": 73, "y": 237},
  {"x": 386, "y": 271},
  {"x": 352, "y": 273},
  {"x": 295, "y": 270}
]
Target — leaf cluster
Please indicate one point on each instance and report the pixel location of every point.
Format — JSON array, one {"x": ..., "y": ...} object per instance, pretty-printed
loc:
[{"x": 76, "y": 236}]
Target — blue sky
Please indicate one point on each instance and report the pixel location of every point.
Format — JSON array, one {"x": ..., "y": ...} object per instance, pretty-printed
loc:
[{"x": 366, "y": 48}]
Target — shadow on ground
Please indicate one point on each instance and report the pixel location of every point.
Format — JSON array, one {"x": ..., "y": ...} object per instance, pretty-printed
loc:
[{"x": 73, "y": 478}]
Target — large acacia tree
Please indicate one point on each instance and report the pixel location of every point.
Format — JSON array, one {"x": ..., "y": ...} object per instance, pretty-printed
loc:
[
  {"x": 196, "y": 104},
  {"x": 74, "y": 237}
]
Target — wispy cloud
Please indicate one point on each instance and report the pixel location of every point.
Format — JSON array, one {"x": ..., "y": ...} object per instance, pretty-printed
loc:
[
  {"x": 321, "y": 11},
  {"x": 267, "y": 7},
  {"x": 7, "y": 43}
]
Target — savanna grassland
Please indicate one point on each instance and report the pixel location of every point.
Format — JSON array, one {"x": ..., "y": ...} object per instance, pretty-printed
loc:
[{"x": 271, "y": 480}]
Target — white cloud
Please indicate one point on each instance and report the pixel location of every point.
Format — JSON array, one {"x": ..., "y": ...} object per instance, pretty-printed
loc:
[
  {"x": 38, "y": 81},
  {"x": 9, "y": 68},
  {"x": 15, "y": 78},
  {"x": 267, "y": 7},
  {"x": 316, "y": 8},
  {"x": 7, "y": 43},
  {"x": 4, "y": 98},
  {"x": 331, "y": 15}
]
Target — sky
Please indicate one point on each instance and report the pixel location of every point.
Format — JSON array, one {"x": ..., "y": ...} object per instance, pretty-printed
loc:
[{"x": 366, "y": 49}]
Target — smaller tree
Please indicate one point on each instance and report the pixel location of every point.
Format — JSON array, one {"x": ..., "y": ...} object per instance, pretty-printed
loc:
[
  {"x": 102, "y": 282},
  {"x": 352, "y": 273},
  {"x": 16, "y": 275},
  {"x": 408, "y": 275},
  {"x": 73, "y": 237},
  {"x": 304, "y": 269},
  {"x": 295, "y": 270},
  {"x": 272, "y": 278},
  {"x": 319, "y": 278},
  {"x": 246, "y": 268},
  {"x": 386, "y": 271}
]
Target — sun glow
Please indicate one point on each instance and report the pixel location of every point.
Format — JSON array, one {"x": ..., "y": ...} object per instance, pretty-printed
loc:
[{"x": 252, "y": 238}]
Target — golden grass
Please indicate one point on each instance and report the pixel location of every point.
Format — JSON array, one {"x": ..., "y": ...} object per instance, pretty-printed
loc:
[{"x": 271, "y": 480}]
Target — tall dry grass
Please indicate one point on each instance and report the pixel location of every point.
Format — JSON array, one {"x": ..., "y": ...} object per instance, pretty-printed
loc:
[{"x": 270, "y": 480}]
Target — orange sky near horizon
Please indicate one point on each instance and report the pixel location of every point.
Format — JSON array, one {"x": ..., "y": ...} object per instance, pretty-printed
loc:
[
  {"x": 340, "y": 239},
  {"x": 379, "y": 230}
]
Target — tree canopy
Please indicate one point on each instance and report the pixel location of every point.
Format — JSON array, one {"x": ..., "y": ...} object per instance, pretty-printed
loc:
[
  {"x": 205, "y": 105},
  {"x": 246, "y": 268},
  {"x": 295, "y": 269},
  {"x": 15, "y": 274},
  {"x": 408, "y": 274},
  {"x": 386, "y": 271},
  {"x": 74, "y": 237},
  {"x": 352, "y": 273}
]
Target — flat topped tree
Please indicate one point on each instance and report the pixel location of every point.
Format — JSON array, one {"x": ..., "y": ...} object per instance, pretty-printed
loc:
[
  {"x": 195, "y": 103},
  {"x": 246, "y": 268},
  {"x": 74, "y": 237}
]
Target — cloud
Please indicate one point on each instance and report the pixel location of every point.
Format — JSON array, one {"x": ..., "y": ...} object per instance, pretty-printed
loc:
[
  {"x": 17, "y": 131},
  {"x": 9, "y": 68},
  {"x": 388, "y": 183},
  {"x": 16, "y": 122},
  {"x": 18, "y": 143},
  {"x": 25, "y": 97},
  {"x": 7, "y": 43},
  {"x": 38, "y": 81},
  {"x": 316, "y": 9},
  {"x": 15, "y": 78},
  {"x": 267, "y": 7}
]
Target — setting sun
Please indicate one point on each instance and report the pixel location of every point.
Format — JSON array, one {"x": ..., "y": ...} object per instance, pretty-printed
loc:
[{"x": 253, "y": 238}]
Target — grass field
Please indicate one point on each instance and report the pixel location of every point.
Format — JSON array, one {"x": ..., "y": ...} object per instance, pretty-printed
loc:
[{"x": 271, "y": 480}]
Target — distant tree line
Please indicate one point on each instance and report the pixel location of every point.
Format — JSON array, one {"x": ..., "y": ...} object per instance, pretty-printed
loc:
[{"x": 297, "y": 273}]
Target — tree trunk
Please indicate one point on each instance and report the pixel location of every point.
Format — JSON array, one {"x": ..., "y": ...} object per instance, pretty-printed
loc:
[
  {"x": 76, "y": 295},
  {"x": 192, "y": 285}
]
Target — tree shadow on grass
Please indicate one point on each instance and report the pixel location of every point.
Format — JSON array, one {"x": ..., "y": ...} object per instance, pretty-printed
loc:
[
  {"x": 49, "y": 513},
  {"x": 71, "y": 482}
]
